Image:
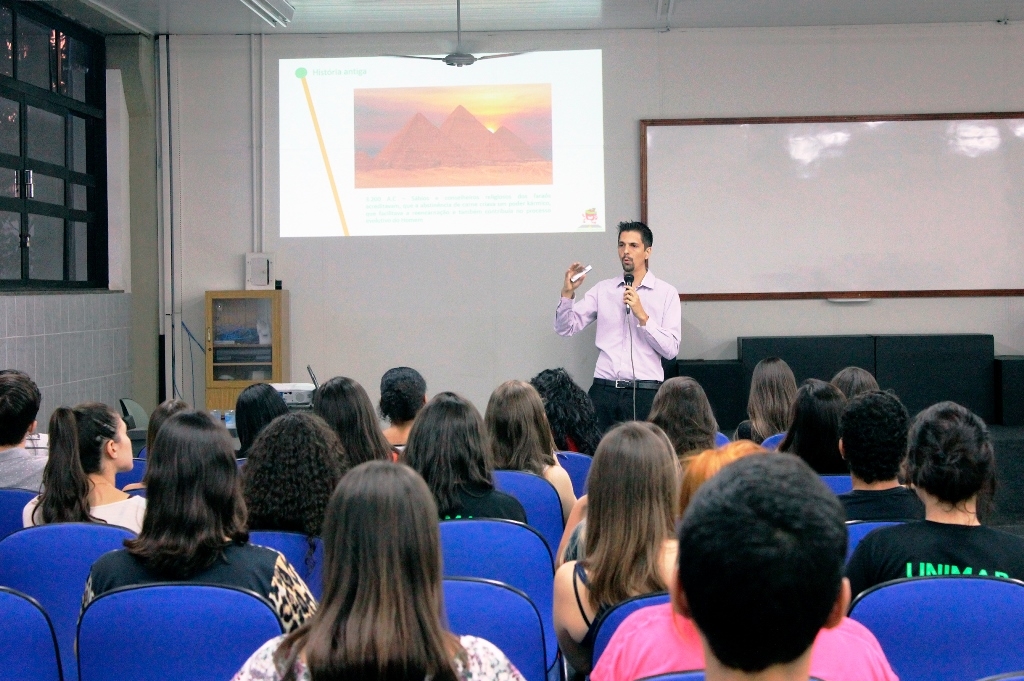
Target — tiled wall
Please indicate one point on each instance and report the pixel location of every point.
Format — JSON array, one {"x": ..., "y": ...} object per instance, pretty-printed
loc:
[{"x": 75, "y": 346}]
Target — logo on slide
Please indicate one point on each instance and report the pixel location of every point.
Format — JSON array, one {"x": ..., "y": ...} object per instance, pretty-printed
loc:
[{"x": 590, "y": 219}]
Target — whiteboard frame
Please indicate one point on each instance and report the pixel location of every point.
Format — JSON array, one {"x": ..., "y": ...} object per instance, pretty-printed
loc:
[{"x": 646, "y": 124}]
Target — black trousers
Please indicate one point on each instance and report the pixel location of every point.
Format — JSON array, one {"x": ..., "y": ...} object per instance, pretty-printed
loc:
[{"x": 615, "y": 405}]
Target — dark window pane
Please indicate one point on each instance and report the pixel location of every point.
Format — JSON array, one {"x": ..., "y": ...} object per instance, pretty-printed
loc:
[
  {"x": 78, "y": 145},
  {"x": 79, "y": 197},
  {"x": 9, "y": 182},
  {"x": 74, "y": 59},
  {"x": 48, "y": 189},
  {"x": 10, "y": 245},
  {"x": 46, "y": 247},
  {"x": 80, "y": 256},
  {"x": 10, "y": 131},
  {"x": 45, "y": 135},
  {"x": 34, "y": 42},
  {"x": 6, "y": 43}
]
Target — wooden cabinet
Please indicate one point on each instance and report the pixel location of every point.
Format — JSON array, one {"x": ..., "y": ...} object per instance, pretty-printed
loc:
[{"x": 246, "y": 343}]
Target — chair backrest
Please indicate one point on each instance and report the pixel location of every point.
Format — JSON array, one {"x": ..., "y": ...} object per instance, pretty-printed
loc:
[
  {"x": 1012, "y": 676},
  {"x": 12, "y": 503},
  {"x": 856, "y": 530},
  {"x": 508, "y": 552},
  {"x": 501, "y": 614},
  {"x": 610, "y": 621},
  {"x": 295, "y": 547},
  {"x": 721, "y": 439},
  {"x": 840, "y": 484},
  {"x": 136, "y": 474},
  {"x": 193, "y": 632},
  {"x": 772, "y": 442},
  {"x": 51, "y": 564},
  {"x": 540, "y": 501},
  {"x": 578, "y": 468},
  {"x": 139, "y": 416},
  {"x": 946, "y": 628},
  {"x": 695, "y": 675},
  {"x": 28, "y": 646}
]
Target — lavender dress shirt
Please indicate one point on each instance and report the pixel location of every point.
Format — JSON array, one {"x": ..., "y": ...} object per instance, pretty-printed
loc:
[{"x": 658, "y": 338}]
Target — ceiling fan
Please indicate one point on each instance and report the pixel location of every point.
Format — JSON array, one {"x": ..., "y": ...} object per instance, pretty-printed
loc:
[{"x": 458, "y": 57}]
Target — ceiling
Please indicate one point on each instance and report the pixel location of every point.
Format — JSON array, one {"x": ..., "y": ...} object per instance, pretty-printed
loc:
[{"x": 378, "y": 16}]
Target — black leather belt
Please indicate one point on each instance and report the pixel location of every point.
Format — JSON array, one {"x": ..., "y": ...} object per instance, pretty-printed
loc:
[{"x": 640, "y": 385}]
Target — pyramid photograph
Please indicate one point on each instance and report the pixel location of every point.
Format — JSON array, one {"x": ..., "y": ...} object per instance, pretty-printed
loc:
[{"x": 453, "y": 136}]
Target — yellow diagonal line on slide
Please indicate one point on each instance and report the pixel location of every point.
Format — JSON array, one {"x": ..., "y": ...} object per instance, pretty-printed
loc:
[{"x": 323, "y": 151}]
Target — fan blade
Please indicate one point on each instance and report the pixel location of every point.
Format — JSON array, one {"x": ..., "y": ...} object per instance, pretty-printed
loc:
[
  {"x": 498, "y": 56},
  {"x": 413, "y": 56}
]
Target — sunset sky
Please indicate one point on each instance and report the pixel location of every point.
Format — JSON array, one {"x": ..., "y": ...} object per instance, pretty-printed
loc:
[{"x": 523, "y": 109}]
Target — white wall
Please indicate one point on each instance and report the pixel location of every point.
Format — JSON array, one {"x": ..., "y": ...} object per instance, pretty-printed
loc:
[{"x": 470, "y": 312}]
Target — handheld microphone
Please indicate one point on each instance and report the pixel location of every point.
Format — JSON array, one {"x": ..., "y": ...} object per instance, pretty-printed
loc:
[{"x": 628, "y": 278}]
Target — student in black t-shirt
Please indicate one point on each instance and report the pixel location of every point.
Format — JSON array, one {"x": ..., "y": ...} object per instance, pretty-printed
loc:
[
  {"x": 951, "y": 467},
  {"x": 873, "y": 440},
  {"x": 448, "y": 448}
]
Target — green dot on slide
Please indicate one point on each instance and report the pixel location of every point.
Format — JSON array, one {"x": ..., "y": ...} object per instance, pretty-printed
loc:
[{"x": 300, "y": 72}]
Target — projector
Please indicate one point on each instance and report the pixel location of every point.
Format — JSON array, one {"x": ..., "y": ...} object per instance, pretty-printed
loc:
[{"x": 296, "y": 395}]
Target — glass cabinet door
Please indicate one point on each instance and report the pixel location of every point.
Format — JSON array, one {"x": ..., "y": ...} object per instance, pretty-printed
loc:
[{"x": 242, "y": 339}]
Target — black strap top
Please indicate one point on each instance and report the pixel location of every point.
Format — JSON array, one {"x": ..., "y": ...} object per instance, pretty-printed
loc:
[{"x": 581, "y": 574}]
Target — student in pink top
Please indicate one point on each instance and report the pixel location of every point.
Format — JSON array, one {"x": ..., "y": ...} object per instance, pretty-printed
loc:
[{"x": 759, "y": 593}]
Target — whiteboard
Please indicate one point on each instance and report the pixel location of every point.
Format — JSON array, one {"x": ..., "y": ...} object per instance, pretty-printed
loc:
[{"x": 836, "y": 207}]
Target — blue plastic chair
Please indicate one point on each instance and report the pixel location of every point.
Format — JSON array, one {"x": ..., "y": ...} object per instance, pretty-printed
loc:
[
  {"x": 507, "y": 552},
  {"x": 1012, "y": 676},
  {"x": 696, "y": 675},
  {"x": 12, "y": 503},
  {"x": 856, "y": 530},
  {"x": 610, "y": 621},
  {"x": 501, "y": 614},
  {"x": 188, "y": 632},
  {"x": 840, "y": 484},
  {"x": 28, "y": 646},
  {"x": 721, "y": 439},
  {"x": 946, "y": 628},
  {"x": 578, "y": 468},
  {"x": 295, "y": 547},
  {"x": 51, "y": 564},
  {"x": 772, "y": 442},
  {"x": 540, "y": 501},
  {"x": 134, "y": 475},
  {"x": 241, "y": 462}
]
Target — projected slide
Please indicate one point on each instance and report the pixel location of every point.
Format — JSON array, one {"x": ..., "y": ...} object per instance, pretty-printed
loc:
[{"x": 389, "y": 146}]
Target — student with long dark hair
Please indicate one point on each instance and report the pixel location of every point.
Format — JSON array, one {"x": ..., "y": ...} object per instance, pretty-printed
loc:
[
  {"x": 89, "y": 446},
  {"x": 447, "y": 446},
  {"x": 682, "y": 410},
  {"x": 520, "y": 438},
  {"x": 256, "y": 406},
  {"x": 346, "y": 407},
  {"x": 195, "y": 525},
  {"x": 569, "y": 410},
  {"x": 853, "y": 381},
  {"x": 772, "y": 391},
  {"x": 163, "y": 411},
  {"x": 403, "y": 392},
  {"x": 382, "y": 615},
  {"x": 813, "y": 433}
]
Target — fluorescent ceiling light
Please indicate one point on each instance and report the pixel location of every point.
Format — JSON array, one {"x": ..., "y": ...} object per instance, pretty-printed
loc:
[{"x": 274, "y": 12}]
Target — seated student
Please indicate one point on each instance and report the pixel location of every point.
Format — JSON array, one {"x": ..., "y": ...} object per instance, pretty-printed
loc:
[
  {"x": 759, "y": 592},
  {"x": 772, "y": 391},
  {"x": 293, "y": 467},
  {"x": 256, "y": 406},
  {"x": 19, "y": 404},
  {"x": 853, "y": 381},
  {"x": 813, "y": 433},
  {"x": 382, "y": 616},
  {"x": 873, "y": 440},
  {"x": 630, "y": 548},
  {"x": 951, "y": 466},
  {"x": 403, "y": 392},
  {"x": 447, "y": 446},
  {"x": 682, "y": 410},
  {"x": 700, "y": 468},
  {"x": 163, "y": 411},
  {"x": 520, "y": 438},
  {"x": 194, "y": 530},
  {"x": 89, "y": 446},
  {"x": 569, "y": 410},
  {"x": 346, "y": 407}
]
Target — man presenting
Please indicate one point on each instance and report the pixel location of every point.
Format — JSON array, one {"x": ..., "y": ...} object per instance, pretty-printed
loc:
[{"x": 638, "y": 323}]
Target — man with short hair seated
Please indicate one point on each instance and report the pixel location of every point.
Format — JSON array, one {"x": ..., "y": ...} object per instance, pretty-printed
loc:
[
  {"x": 19, "y": 404},
  {"x": 873, "y": 440},
  {"x": 760, "y": 592}
]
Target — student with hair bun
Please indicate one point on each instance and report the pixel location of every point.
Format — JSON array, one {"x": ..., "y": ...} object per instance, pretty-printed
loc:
[
  {"x": 89, "y": 446},
  {"x": 950, "y": 464},
  {"x": 403, "y": 392}
]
